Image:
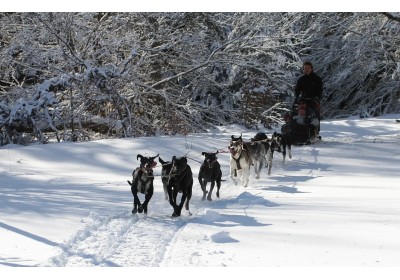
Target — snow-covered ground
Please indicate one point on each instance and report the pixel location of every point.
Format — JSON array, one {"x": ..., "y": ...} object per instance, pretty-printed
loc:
[{"x": 334, "y": 204}]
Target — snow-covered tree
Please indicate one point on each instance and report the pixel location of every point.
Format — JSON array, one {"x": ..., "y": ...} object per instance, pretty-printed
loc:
[
  {"x": 71, "y": 76},
  {"x": 357, "y": 56}
]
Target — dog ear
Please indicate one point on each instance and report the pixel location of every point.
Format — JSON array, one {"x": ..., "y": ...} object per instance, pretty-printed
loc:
[
  {"x": 203, "y": 153},
  {"x": 233, "y": 137},
  {"x": 139, "y": 156},
  {"x": 153, "y": 158},
  {"x": 217, "y": 152}
]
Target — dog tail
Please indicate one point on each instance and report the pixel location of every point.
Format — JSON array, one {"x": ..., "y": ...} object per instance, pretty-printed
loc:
[{"x": 130, "y": 183}]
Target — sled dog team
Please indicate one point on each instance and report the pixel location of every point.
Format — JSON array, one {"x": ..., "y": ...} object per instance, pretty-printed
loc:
[{"x": 177, "y": 176}]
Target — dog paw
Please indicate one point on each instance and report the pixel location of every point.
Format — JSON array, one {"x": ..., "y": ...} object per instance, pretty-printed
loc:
[
  {"x": 134, "y": 211},
  {"x": 217, "y": 194},
  {"x": 177, "y": 213},
  {"x": 209, "y": 198},
  {"x": 140, "y": 210},
  {"x": 203, "y": 198}
]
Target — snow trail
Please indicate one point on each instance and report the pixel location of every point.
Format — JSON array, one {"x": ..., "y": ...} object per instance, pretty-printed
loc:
[{"x": 120, "y": 240}]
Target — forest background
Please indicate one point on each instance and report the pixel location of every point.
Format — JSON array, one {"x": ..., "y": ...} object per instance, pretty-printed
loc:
[{"x": 71, "y": 76}]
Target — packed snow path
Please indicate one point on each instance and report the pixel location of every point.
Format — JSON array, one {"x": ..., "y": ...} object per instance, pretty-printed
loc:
[
  {"x": 155, "y": 239},
  {"x": 120, "y": 240}
]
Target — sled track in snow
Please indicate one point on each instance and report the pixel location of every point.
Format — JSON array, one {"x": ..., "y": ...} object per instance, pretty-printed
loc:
[
  {"x": 121, "y": 240},
  {"x": 363, "y": 139}
]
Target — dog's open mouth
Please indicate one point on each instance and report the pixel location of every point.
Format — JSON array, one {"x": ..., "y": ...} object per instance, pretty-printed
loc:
[
  {"x": 233, "y": 151},
  {"x": 149, "y": 167}
]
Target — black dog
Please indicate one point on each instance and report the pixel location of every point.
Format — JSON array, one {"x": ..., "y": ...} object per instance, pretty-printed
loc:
[
  {"x": 142, "y": 181},
  {"x": 179, "y": 178},
  {"x": 210, "y": 171},
  {"x": 280, "y": 142}
]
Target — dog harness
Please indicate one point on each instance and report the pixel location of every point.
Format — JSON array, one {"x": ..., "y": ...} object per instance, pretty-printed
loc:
[
  {"x": 238, "y": 161},
  {"x": 143, "y": 180}
]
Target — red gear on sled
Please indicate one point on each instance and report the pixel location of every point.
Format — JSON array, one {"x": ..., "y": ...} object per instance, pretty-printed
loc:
[{"x": 302, "y": 109}]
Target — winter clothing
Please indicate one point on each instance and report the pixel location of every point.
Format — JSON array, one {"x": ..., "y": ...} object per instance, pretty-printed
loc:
[{"x": 309, "y": 86}]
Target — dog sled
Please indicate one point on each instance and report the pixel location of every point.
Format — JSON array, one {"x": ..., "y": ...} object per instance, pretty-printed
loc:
[{"x": 303, "y": 122}]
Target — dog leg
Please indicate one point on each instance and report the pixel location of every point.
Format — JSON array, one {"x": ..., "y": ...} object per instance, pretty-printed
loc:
[
  {"x": 165, "y": 191},
  {"x": 218, "y": 186},
  {"x": 265, "y": 160},
  {"x": 134, "y": 210},
  {"x": 233, "y": 175},
  {"x": 257, "y": 167},
  {"x": 202, "y": 181},
  {"x": 261, "y": 164},
  {"x": 269, "y": 168},
  {"x": 172, "y": 201},
  {"x": 140, "y": 208},
  {"x": 189, "y": 196},
  {"x": 136, "y": 201},
  {"x": 245, "y": 177},
  {"x": 203, "y": 185},
  {"x": 177, "y": 212},
  {"x": 211, "y": 190},
  {"x": 284, "y": 154},
  {"x": 172, "y": 197},
  {"x": 178, "y": 209},
  {"x": 143, "y": 207},
  {"x": 257, "y": 175},
  {"x": 270, "y": 155},
  {"x": 180, "y": 206}
]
